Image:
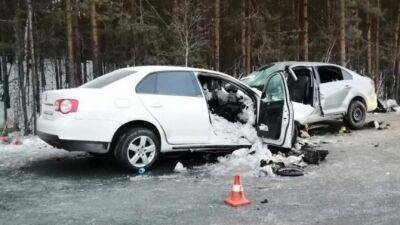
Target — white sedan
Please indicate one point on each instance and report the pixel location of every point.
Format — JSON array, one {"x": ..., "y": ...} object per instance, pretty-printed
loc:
[
  {"x": 137, "y": 113},
  {"x": 322, "y": 91}
]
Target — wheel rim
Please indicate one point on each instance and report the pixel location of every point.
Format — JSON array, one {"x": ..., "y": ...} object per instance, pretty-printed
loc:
[
  {"x": 358, "y": 115},
  {"x": 141, "y": 151}
]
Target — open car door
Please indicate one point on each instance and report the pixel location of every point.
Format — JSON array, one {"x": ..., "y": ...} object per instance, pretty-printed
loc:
[{"x": 275, "y": 115}]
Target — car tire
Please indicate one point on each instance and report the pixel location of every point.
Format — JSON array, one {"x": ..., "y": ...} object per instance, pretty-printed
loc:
[
  {"x": 356, "y": 115},
  {"x": 137, "y": 148}
]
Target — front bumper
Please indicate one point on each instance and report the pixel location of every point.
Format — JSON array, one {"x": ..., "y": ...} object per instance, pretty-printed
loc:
[{"x": 72, "y": 145}]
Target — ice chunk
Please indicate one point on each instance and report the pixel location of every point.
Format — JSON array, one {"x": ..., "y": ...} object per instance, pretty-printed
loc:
[{"x": 179, "y": 168}]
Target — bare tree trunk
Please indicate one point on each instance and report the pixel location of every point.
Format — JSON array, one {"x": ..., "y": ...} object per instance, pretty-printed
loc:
[
  {"x": 377, "y": 54},
  {"x": 74, "y": 63},
  {"x": 369, "y": 45},
  {"x": 57, "y": 73},
  {"x": 248, "y": 40},
  {"x": 6, "y": 93},
  {"x": 95, "y": 39},
  {"x": 20, "y": 61},
  {"x": 342, "y": 38},
  {"x": 70, "y": 43},
  {"x": 35, "y": 87},
  {"x": 42, "y": 73},
  {"x": 243, "y": 44},
  {"x": 217, "y": 22},
  {"x": 303, "y": 37},
  {"x": 396, "y": 63}
]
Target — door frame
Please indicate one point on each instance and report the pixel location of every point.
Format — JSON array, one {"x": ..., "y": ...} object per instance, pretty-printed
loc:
[{"x": 288, "y": 131}]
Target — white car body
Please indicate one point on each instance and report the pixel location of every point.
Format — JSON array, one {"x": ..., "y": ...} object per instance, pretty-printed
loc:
[
  {"x": 181, "y": 122},
  {"x": 331, "y": 99}
]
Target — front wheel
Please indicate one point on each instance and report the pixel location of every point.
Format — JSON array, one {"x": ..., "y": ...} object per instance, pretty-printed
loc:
[
  {"x": 356, "y": 115},
  {"x": 137, "y": 148}
]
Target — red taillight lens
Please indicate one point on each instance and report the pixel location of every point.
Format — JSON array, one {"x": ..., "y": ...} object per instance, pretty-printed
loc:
[{"x": 66, "y": 105}]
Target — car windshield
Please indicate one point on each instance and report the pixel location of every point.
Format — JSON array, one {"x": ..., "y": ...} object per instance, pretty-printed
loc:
[
  {"x": 107, "y": 79},
  {"x": 258, "y": 79}
]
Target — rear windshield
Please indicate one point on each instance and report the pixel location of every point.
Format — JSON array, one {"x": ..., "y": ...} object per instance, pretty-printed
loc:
[{"x": 107, "y": 79}]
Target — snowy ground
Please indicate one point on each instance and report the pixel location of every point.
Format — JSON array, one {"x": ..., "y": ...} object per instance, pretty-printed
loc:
[{"x": 358, "y": 184}]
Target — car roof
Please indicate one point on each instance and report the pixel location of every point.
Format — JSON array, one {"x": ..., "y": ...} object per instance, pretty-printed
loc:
[
  {"x": 160, "y": 68},
  {"x": 302, "y": 63}
]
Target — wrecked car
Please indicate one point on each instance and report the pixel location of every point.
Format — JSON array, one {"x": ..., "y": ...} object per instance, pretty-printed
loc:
[
  {"x": 137, "y": 113},
  {"x": 322, "y": 91}
]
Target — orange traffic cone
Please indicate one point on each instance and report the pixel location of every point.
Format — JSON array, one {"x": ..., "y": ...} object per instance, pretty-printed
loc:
[
  {"x": 5, "y": 140},
  {"x": 237, "y": 197},
  {"x": 17, "y": 141}
]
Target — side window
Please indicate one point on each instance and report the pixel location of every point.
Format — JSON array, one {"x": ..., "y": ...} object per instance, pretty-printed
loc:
[
  {"x": 177, "y": 83},
  {"x": 147, "y": 85},
  {"x": 329, "y": 74},
  {"x": 274, "y": 91},
  {"x": 346, "y": 75}
]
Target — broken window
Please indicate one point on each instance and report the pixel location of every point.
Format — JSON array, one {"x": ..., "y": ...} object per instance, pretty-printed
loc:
[
  {"x": 227, "y": 100},
  {"x": 329, "y": 74},
  {"x": 301, "y": 90}
]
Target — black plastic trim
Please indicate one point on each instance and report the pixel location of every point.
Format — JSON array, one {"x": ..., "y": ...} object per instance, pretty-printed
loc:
[{"x": 72, "y": 145}]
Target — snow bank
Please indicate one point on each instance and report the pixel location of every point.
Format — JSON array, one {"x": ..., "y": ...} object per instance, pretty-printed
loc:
[{"x": 301, "y": 112}]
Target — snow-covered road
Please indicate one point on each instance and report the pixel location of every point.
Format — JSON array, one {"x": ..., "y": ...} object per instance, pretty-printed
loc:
[{"x": 358, "y": 184}]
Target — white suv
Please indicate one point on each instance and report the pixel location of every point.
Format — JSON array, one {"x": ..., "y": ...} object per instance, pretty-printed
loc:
[
  {"x": 329, "y": 91},
  {"x": 137, "y": 113}
]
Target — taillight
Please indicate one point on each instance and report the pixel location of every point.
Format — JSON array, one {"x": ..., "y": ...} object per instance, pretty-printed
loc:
[{"x": 66, "y": 105}]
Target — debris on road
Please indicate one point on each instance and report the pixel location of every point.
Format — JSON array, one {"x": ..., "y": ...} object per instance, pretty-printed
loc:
[
  {"x": 314, "y": 156},
  {"x": 389, "y": 105},
  {"x": 290, "y": 171},
  {"x": 179, "y": 168},
  {"x": 17, "y": 141},
  {"x": 5, "y": 140},
  {"x": 264, "y": 201},
  {"x": 379, "y": 125}
]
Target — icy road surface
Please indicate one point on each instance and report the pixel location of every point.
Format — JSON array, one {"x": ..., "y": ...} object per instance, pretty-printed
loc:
[{"x": 358, "y": 184}]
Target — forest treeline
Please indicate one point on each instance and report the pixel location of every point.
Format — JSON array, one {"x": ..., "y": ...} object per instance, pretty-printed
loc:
[{"x": 82, "y": 39}]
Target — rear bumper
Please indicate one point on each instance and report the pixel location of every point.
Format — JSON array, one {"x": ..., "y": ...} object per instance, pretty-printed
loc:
[{"x": 72, "y": 145}]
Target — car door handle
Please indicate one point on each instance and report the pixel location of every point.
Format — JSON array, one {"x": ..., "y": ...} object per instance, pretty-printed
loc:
[{"x": 347, "y": 86}]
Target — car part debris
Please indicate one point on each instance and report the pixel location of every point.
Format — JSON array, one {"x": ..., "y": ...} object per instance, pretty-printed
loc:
[
  {"x": 304, "y": 134},
  {"x": 389, "y": 105},
  {"x": 290, "y": 171},
  {"x": 379, "y": 125},
  {"x": 314, "y": 156},
  {"x": 264, "y": 201}
]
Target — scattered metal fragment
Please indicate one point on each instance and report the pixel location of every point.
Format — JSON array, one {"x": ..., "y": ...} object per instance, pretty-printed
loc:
[{"x": 290, "y": 171}]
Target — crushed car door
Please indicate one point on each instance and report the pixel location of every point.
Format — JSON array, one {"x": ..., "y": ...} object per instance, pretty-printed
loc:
[
  {"x": 333, "y": 89},
  {"x": 275, "y": 114}
]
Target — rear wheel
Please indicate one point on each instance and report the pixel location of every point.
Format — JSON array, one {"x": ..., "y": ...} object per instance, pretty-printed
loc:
[
  {"x": 137, "y": 148},
  {"x": 356, "y": 115}
]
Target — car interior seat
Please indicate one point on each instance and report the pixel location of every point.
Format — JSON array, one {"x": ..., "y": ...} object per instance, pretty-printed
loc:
[{"x": 300, "y": 89}]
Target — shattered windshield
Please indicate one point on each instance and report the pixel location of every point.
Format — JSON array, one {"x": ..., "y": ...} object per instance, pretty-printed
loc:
[{"x": 259, "y": 78}]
